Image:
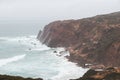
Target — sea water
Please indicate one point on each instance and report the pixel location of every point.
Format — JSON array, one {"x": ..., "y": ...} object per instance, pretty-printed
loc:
[{"x": 25, "y": 56}]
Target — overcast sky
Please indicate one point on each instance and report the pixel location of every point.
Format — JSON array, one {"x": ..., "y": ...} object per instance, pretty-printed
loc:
[
  {"x": 56, "y": 9},
  {"x": 38, "y": 13}
]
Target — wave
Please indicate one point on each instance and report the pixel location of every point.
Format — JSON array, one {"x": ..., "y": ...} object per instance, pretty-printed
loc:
[
  {"x": 69, "y": 74},
  {"x": 29, "y": 41},
  {"x": 69, "y": 70},
  {"x": 17, "y": 38},
  {"x": 10, "y": 60},
  {"x": 64, "y": 70},
  {"x": 40, "y": 49}
]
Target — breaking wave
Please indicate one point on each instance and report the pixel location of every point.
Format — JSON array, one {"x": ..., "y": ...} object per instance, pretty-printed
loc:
[
  {"x": 10, "y": 60},
  {"x": 47, "y": 63}
]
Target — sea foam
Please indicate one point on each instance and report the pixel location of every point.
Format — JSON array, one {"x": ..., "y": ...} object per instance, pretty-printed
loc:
[
  {"x": 48, "y": 63},
  {"x": 68, "y": 70},
  {"x": 10, "y": 60}
]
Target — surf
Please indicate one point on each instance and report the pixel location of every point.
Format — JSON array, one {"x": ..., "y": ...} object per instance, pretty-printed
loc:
[
  {"x": 45, "y": 62},
  {"x": 4, "y": 62}
]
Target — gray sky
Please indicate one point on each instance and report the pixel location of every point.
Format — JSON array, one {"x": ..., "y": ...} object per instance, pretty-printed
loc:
[
  {"x": 38, "y": 13},
  {"x": 56, "y": 9}
]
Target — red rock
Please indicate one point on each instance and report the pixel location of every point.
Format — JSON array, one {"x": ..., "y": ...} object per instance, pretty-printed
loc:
[
  {"x": 101, "y": 74},
  {"x": 94, "y": 40}
]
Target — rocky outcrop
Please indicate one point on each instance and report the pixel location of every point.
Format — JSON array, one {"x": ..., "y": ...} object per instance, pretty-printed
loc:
[
  {"x": 58, "y": 33},
  {"x": 94, "y": 40},
  {"x": 106, "y": 74},
  {"x": 7, "y": 77}
]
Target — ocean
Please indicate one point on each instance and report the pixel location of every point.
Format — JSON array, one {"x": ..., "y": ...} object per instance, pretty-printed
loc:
[{"x": 25, "y": 56}]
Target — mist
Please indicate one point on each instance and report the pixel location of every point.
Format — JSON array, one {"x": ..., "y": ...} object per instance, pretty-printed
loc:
[{"x": 29, "y": 16}]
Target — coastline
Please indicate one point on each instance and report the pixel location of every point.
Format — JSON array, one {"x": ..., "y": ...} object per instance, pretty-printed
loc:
[
  {"x": 92, "y": 42},
  {"x": 88, "y": 40},
  {"x": 111, "y": 73}
]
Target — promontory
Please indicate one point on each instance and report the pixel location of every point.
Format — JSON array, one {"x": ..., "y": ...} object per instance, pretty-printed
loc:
[{"x": 94, "y": 40}]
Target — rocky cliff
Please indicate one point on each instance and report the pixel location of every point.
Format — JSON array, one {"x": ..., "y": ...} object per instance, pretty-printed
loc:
[
  {"x": 94, "y": 40},
  {"x": 106, "y": 74}
]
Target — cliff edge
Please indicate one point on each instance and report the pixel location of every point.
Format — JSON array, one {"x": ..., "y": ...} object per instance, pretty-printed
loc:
[
  {"x": 110, "y": 73},
  {"x": 94, "y": 40}
]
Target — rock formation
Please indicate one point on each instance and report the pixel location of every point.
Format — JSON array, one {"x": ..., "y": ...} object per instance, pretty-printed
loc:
[
  {"x": 94, "y": 40},
  {"x": 106, "y": 74},
  {"x": 7, "y": 77}
]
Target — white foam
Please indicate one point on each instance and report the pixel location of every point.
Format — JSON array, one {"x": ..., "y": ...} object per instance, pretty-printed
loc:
[
  {"x": 29, "y": 42},
  {"x": 40, "y": 49},
  {"x": 66, "y": 70},
  {"x": 60, "y": 51},
  {"x": 10, "y": 60},
  {"x": 23, "y": 38},
  {"x": 69, "y": 71}
]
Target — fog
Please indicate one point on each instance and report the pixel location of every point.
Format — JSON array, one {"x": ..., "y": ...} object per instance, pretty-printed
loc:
[{"x": 30, "y": 15}]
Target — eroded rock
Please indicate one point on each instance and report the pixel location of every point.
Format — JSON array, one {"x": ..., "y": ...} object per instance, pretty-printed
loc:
[
  {"x": 94, "y": 40},
  {"x": 111, "y": 73}
]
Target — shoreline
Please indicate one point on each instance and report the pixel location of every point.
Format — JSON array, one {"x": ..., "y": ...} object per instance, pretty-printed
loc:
[
  {"x": 111, "y": 73},
  {"x": 14, "y": 77},
  {"x": 89, "y": 40}
]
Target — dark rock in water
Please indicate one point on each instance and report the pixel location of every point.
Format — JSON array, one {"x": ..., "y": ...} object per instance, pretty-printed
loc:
[
  {"x": 106, "y": 74},
  {"x": 63, "y": 53},
  {"x": 89, "y": 40},
  {"x": 6, "y": 77},
  {"x": 55, "y": 51}
]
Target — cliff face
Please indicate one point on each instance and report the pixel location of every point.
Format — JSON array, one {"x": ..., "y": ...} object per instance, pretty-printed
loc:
[
  {"x": 58, "y": 33},
  {"x": 106, "y": 74},
  {"x": 94, "y": 40}
]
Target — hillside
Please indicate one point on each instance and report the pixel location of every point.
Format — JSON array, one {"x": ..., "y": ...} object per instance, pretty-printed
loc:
[{"x": 94, "y": 40}]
